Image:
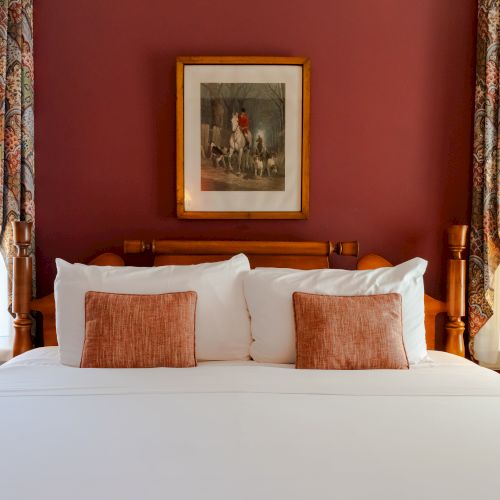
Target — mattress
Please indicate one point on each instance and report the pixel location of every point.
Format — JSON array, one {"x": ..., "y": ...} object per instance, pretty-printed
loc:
[{"x": 245, "y": 430}]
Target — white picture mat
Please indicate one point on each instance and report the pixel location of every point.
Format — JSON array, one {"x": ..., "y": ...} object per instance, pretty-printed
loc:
[{"x": 288, "y": 200}]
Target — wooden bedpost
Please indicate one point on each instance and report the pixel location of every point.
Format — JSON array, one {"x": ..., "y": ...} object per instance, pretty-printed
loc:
[
  {"x": 22, "y": 272},
  {"x": 455, "y": 294}
]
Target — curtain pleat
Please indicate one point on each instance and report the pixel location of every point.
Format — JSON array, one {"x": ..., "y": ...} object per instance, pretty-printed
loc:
[
  {"x": 485, "y": 238},
  {"x": 16, "y": 120}
]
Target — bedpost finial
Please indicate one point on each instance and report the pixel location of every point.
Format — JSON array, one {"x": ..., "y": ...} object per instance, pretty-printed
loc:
[
  {"x": 457, "y": 239},
  {"x": 22, "y": 272},
  {"x": 22, "y": 236},
  {"x": 455, "y": 293}
]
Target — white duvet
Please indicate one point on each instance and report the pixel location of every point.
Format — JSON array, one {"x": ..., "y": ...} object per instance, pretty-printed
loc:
[{"x": 248, "y": 431}]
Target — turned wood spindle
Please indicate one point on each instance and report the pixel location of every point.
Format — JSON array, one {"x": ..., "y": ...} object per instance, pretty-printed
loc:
[
  {"x": 347, "y": 248},
  {"x": 135, "y": 246},
  {"x": 22, "y": 272},
  {"x": 455, "y": 326}
]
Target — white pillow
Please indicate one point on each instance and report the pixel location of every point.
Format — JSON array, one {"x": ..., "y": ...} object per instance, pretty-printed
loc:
[
  {"x": 222, "y": 322},
  {"x": 268, "y": 292}
]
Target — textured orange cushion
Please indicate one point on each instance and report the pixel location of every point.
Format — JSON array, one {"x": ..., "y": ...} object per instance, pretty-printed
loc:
[
  {"x": 139, "y": 331},
  {"x": 349, "y": 333}
]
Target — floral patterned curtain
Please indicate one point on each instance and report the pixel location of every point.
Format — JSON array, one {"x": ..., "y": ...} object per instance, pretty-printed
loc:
[
  {"x": 485, "y": 238},
  {"x": 16, "y": 119}
]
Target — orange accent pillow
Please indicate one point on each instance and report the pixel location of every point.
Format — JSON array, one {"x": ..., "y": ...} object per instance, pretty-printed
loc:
[
  {"x": 139, "y": 331},
  {"x": 349, "y": 333}
]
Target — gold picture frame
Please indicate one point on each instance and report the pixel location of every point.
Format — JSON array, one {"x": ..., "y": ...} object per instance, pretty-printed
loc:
[{"x": 239, "y": 164}]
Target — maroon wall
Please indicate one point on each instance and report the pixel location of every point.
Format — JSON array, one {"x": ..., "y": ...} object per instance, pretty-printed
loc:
[{"x": 392, "y": 94}]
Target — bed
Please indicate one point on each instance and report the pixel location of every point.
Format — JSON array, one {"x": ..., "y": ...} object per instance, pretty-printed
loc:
[
  {"x": 241, "y": 431},
  {"x": 246, "y": 430}
]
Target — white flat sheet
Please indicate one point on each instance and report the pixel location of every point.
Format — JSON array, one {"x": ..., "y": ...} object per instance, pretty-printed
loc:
[{"x": 248, "y": 431}]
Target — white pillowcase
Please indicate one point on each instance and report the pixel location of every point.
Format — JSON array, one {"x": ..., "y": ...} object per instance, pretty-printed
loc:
[
  {"x": 222, "y": 322},
  {"x": 269, "y": 298}
]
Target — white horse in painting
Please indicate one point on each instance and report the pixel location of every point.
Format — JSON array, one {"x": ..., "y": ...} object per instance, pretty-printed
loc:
[{"x": 238, "y": 144}]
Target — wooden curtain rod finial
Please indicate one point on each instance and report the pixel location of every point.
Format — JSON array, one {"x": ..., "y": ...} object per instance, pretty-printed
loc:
[{"x": 136, "y": 246}]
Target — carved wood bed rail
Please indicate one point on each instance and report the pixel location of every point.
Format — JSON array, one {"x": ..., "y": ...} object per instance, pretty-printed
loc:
[{"x": 34, "y": 319}]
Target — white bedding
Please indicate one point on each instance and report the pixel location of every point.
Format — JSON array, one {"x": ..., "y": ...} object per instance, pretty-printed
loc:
[{"x": 242, "y": 430}]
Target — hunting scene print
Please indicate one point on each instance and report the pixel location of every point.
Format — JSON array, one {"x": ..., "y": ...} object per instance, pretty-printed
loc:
[
  {"x": 243, "y": 130},
  {"x": 243, "y": 136}
]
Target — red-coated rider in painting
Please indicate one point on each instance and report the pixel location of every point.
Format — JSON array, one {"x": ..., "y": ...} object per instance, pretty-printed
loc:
[{"x": 244, "y": 123}]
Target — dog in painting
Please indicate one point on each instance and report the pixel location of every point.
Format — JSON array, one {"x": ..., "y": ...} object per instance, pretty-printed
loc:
[
  {"x": 272, "y": 167},
  {"x": 258, "y": 166},
  {"x": 218, "y": 154}
]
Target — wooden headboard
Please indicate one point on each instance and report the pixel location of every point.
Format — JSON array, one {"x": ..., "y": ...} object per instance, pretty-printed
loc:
[
  {"x": 293, "y": 254},
  {"x": 299, "y": 255}
]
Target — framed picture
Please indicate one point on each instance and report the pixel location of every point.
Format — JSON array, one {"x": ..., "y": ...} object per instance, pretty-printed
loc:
[{"x": 243, "y": 137}]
